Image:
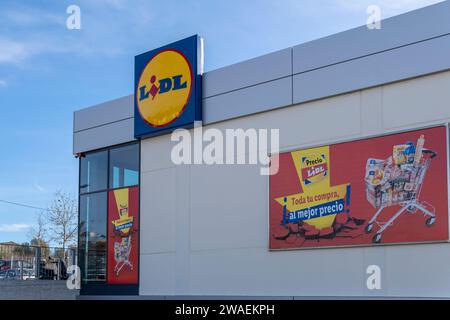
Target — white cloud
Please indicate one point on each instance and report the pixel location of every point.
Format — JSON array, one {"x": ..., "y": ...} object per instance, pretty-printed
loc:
[
  {"x": 16, "y": 52},
  {"x": 15, "y": 227},
  {"x": 11, "y": 51},
  {"x": 26, "y": 16}
]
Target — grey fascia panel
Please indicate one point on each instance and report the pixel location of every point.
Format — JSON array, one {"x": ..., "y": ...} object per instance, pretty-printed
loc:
[
  {"x": 390, "y": 66},
  {"x": 259, "y": 98},
  {"x": 103, "y": 136},
  {"x": 409, "y": 45},
  {"x": 108, "y": 112},
  {"x": 411, "y": 27},
  {"x": 248, "y": 73}
]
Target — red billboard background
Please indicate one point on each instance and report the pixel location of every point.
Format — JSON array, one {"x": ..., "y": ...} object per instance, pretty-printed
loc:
[
  {"x": 123, "y": 236},
  {"x": 347, "y": 166}
]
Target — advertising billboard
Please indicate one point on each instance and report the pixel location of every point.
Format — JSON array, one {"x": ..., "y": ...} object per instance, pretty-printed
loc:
[
  {"x": 168, "y": 87},
  {"x": 382, "y": 190},
  {"x": 123, "y": 236}
]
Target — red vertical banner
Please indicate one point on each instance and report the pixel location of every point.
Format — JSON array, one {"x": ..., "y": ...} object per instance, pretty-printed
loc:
[{"x": 123, "y": 236}]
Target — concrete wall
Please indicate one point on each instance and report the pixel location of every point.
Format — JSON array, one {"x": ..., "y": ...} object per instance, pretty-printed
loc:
[
  {"x": 204, "y": 229},
  {"x": 35, "y": 290}
]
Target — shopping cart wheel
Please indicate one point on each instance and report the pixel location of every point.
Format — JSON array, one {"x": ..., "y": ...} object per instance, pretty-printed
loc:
[
  {"x": 430, "y": 221},
  {"x": 369, "y": 228},
  {"x": 376, "y": 238}
]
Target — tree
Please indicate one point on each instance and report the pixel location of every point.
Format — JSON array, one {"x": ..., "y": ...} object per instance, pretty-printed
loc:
[
  {"x": 62, "y": 218},
  {"x": 40, "y": 233},
  {"x": 45, "y": 250},
  {"x": 23, "y": 250}
]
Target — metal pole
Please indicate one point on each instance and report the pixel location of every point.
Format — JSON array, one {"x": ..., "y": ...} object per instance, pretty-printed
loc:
[
  {"x": 38, "y": 262},
  {"x": 21, "y": 269}
]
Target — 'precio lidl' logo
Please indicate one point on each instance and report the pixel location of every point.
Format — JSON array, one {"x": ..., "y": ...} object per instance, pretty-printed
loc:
[
  {"x": 314, "y": 168},
  {"x": 164, "y": 88}
]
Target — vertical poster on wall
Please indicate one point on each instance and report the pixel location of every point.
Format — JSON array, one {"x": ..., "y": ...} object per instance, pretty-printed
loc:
[
  {"x": 382, "y": 190},
  {"x": 123, "y": 236}
]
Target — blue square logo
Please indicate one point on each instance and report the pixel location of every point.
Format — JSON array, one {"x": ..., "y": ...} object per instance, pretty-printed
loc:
[{"x": 167, "y": 91}]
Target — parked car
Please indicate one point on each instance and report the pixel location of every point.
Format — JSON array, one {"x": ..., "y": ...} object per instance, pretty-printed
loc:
[
  {"x": 5, "y": 264},
  {"x": 9, "y": 274},
  {"x": 15, "y": 274}
]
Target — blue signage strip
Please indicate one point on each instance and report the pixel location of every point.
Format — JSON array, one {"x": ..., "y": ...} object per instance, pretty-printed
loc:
[{"x": 322, "y": 210}]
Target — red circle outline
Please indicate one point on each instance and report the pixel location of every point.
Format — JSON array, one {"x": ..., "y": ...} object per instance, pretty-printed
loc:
[{"x": 190, "y": 89}]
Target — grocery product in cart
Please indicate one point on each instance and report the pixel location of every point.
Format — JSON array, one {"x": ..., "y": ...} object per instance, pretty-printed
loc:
[
  {"x": 122, "y": 250},
  {"x": 397, "y": 181}
]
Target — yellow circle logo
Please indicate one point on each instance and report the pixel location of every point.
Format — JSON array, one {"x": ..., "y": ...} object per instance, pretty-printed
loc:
[{"x": 164, "y": 88}]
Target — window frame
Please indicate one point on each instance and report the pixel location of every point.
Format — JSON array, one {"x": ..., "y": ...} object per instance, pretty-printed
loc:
[
  {"x": 106, "y": 235},
  {"x": 109, "y": 188},
  {"x": 107, "y": 168},
  {"x": 122, "y": 289}
]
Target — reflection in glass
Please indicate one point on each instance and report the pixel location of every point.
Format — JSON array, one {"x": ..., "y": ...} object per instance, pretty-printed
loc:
[
  {"x": 124, "y": 166},
  {"x": 93, "y": 172},
  {"x": 92, "y": 237}
]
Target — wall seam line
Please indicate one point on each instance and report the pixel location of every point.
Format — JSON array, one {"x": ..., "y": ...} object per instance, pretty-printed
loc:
[
  {"x": 371, "y": 54},
  {"x": 102, "y": 125}
]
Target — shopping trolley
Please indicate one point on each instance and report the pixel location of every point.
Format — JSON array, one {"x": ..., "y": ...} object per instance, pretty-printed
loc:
[
  {"x": 122, "y": 251},
  {"x": 403, "y": 189}
]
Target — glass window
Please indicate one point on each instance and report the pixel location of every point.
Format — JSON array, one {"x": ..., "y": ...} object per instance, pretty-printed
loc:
[
  {"x": 93, "y": 172},
  {"x": 92, "y": 237},
  {"x": 124, "y": 166}
]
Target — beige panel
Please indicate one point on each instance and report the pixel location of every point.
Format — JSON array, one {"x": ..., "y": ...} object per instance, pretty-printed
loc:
[
  {"x": 309, "y": 123},
  {"x": 158, "y": 211},
  {"x": 155, "y": 153},
  {"x": 258, "y": 272},
  {"x": 372, "y": 111},
  {"x": 417, "y": 101},
  {"x": 228, "y": 207},
  {"x": 418, "y": 271},
  {"x": 157, "y": 274}
]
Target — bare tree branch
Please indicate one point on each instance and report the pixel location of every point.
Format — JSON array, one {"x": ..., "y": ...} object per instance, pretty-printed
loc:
[
  {"x": 40, "y": 233},
  {"x": 62, "y": 217}
]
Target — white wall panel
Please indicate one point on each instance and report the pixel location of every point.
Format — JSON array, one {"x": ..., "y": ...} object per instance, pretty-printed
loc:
[
  {"x": 227, "y": 232},
  {"x": 417, "y": 101},
  {"x": 158, "y": 211},
  {"x": 156, "y": 153},
  {"x": 258, "y": 272},
  {"x": 157, "y": 274},
  {"x": 227, "y": 211},
  {"x": 306, "y": 123}
]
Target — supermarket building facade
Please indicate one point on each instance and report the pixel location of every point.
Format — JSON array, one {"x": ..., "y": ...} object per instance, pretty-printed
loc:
[{"x": 156, "y": 229}]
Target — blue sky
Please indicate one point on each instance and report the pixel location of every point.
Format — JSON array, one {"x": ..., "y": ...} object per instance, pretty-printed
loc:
[{"x": 48, "y": 71}]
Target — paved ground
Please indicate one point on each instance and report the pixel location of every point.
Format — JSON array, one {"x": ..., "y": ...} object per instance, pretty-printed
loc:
[{"x": 35, "y": 290}]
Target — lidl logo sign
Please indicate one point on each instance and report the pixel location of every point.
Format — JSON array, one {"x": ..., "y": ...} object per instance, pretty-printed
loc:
[
  {"x": 167, "y": 90},
  {"x": 164, "y": 88},
  {"x": 314, "y": 168}
]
